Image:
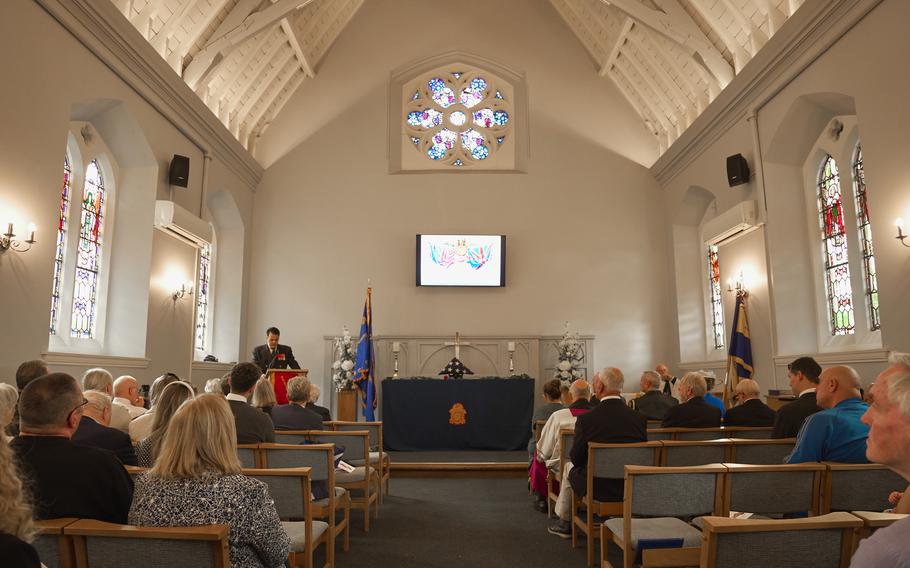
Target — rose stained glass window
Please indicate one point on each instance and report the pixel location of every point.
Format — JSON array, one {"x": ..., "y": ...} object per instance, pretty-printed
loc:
[
  {"x": 864, "y": 227},
  {"x": 834, "y": 249},
  {"x": 88, "y": 259},
  {"x": 62, "y": 220},
  {"x": 202, "y": 295},
  {"x": 717, "y": 306},
  {"x": 457, "y": 118}
]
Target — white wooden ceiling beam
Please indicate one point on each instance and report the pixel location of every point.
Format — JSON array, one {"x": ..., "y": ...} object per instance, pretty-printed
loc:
[
  {"x": 647, "y": 75},
  {"x": 671, "y": 87},
  {"x": 757, "y": 38},
  {"x": 646, "y": 115},
  {"x": 617, "y": 46},
  {"x": 662, "y": 48},
  {"x": 142, "y": 21},
  {"x": 623, "y": 66},
  {"x": 296, "y": 46},
  {"x": 775, "y": 17},
  {"x": 251, "y": 123},
  {"x": 267, "y": 82},
  {"x": 194, "y": 32},
  {"x": 740, "y": 55},
  {"x": 593, "y": 32},
  {"x": 255, "y": 70},
  {"x": 160, "y": 40},
  {"x": 231, "y": 73}
]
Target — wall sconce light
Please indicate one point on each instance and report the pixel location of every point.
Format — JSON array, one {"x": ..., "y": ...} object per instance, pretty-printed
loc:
[
  {"x": 7, "y": 242},
  {"x": 737, "y": 286},
  {"x": 186, "y": 289},
  {"x": 901, "y": 235}
]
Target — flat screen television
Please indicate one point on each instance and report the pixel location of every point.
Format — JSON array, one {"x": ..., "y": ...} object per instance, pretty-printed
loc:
[{"x": 461, "y": 260}]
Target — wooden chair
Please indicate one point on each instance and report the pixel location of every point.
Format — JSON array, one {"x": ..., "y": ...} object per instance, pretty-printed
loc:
[
  {"x": 606, "y": 461},
  {"x": 859, "y": 487},
  {"x": 566, "y": 437},
  {"x": 248, "y": 455},
  {"x": 872, "y": 521},
  {"x": 761, "y": 452},
  {"x": 748, "y": 432},
  {"x": 380, "y": 459},
  {"x": 821, "y": 542},
  {"x": 291, "y": 491},
  {"x": 364, "y": 479},
  {"x": 655, "y": 499},
  {"x": 537, "y": 428},
  {"x": 691, "y": 434},
  {"x": 321, "y": 461},
  {"x": 681, "y": 453},
  {"x": 54, "y": 548},
  {"x": 655, "y": 434},
  {"x": 772, "y": 489},
  {"x": 107, "y": 545}
]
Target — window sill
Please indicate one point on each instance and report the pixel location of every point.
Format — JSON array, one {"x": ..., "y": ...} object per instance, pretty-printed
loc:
[
  {"x": 93, "y": 360},
  {"x": 839, "y": 357}
]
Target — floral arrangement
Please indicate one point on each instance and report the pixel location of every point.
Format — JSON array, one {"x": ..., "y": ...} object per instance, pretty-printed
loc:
[
  {"x": 569, "y": 355},
  {"x": 343, "y": 367}
]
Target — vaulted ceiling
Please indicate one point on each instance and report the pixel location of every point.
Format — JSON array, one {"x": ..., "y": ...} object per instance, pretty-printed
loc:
[{"x": 669, "y": 58}]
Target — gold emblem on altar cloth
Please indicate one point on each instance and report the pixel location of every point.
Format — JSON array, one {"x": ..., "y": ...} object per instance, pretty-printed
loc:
[{"x": 457, "y": 415}]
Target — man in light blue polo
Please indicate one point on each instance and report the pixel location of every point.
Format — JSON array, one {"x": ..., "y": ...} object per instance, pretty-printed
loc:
[{"x": 836, "y": 433}]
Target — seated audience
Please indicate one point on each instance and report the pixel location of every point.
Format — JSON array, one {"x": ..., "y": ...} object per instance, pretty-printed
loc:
[
  {"x": 322, "y": 411},
  {"x": 694, "y": 412},
  {"x": 750, "y": 411},
  {"x": 9, "y": 396},
  {"x": 252, "y": 425},
  {"x": 172, "y": 396},
  {"x": 100, "y": 380},
  {"x": 213, "y": 386},
  {"x": 94, "y": 431},
  {"x": 126, "y": 394},
  {"x": 670, "y": 386},
  {"x": 264, "y": 396},
  {"x": 837, "y": 433},
  {"x": 66, "y": 480},
  {"x": 552, "y": 397},
  {"x": 197, "y": 481},
  {"x": 803, "y": 375},
  {"x": 295, "y": 415},
  {"x": 888, "y": 419},
  {"x": 611, "y": 421},
  {"x": 226, "y": 384},
  {"x": 548, "y": 445},
  {"x": 141, "y": 427},
  {"x": 710, "y": 381},
  {"x": 652, "y": 404},
  {"x": 16, "y": 526},
  {"x": 26, "y": 373}
]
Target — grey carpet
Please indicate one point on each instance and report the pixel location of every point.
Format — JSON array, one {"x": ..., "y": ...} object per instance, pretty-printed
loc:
[{"x": 520, "y": 456}]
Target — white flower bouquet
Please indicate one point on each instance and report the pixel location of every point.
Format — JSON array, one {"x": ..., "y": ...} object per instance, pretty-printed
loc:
[
  {"x": 343, "y": 367},
  {"x": 569, "y": 354}
]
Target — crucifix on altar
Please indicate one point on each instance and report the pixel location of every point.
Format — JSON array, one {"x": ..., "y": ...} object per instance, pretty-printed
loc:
[{"x": 457, "y": 343}]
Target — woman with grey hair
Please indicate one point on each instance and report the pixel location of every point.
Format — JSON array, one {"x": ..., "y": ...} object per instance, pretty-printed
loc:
[
  {"x": 264, "y": 396},
  {"x": 213, "y": 386},
  {"x": 9, "y": 395}
]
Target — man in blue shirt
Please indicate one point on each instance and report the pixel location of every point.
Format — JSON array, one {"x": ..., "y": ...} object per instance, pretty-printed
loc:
[
  {"x": 710, "y": 398},
  {"x": 836, "y": 433}
]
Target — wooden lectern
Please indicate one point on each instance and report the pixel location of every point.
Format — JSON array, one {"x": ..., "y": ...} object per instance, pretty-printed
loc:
[{"x": 279, "y": 379}]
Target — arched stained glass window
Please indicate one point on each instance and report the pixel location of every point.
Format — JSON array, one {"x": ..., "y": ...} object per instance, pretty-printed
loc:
[
  {"x": 88, "y": 260},
  {"x": 62, "y": 220},
  {"x": 202, "y": 296},
  {"x": 865, "y": 239},
  {"x": 717, "y": 306},
  {"x": 834, "y": 249},
  {"x": 458, "y": 118}
]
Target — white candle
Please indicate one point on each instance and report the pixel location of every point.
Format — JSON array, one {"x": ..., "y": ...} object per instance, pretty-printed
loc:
[
  {"x": 511, "y": 346},
  {"x": 396, "y": 347},
  {"x": 31, "y": 232}
]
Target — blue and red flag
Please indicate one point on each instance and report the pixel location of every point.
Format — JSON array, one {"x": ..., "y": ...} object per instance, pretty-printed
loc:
[
  {"x": 365, "y": 363},
  {"x": 739, "y": 359}
]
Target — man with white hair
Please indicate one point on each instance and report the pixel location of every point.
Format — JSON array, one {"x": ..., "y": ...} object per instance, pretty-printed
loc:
[
  {"x": 610, "y": 422},
  {"x": 751, "y": 411},
  {"x": 126, "y": 394},
  {"x": 694, "y": 412},
  {"x": 295, "y": 415},
  {"x": 888, "y": 418},
  {"x": 653, "y": 404},
  {"x": 94, "y": 429},
  {"x": 100, "y": 380},
  {"x": 322, "y": 411},
  {"x": 837, "y": 433}
]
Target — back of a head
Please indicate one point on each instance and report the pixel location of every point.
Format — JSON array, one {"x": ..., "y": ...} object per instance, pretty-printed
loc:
[
  {"x": 651, "y": 379},
  {"x": 807, "y": 366},
  {"x": 552, "y": 389},
  {"x": 123, "y": 384},
  {"x": 97, "y": 379},
  {"x": 9, "y": 396},
  {"x": 213, "y": 386},
  {"x": 315, "y": 391},
  {"x": 29, "y": 371},
  {"x": 580, "y": 390},
  {"x": 899, "y": 391},
  {"x": 169, "y": 400},
  {"x": 264, "y": 394},
  {"x": 748, "y": 388},
  {"x": 158, "y": 386},
  {"x": 613, "y": 379},
  {"x": 97, "y": 400},
  {"x": 900, "y": 360},
  {"x": 696, "y": 382},
  {"x": 200, "y": 439},
  {"x": 244, "y": 377},
  {"x": 46, "y": 402},
  {"x": 299, "y": 390}
]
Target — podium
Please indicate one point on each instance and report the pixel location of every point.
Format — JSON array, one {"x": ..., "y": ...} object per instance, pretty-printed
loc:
[{"x": 279, "y": 379}]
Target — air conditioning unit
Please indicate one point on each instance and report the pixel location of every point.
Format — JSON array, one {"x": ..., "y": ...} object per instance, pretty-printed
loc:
[
  {"x": 731, "y": 223},
  {"x": 180, "y": 223}
]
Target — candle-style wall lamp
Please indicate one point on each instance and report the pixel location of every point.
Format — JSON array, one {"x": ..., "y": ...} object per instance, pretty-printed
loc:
[
  {"x": 7, "y": 242},
  {"x": 738, "y": 286},
  {"x": 901, "y": 235},
  {"x": 186, "y": 289}
]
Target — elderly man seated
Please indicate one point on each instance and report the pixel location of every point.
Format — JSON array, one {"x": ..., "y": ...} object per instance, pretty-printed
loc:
[
  {"x": 322, "y": 411},
  {"x": 751, "y": 411},
  {"x": 126, "y": 394},
  {"x": 295, "y": 415},
  {"x": 653, "y": 404},
  {"x": 836, "y": 433},
  {"x": 102, "y": 381},
  {"x": 548, "y": 446},
  {"x": 694, "y": 412},
  {"x": 95, "y": 431}
]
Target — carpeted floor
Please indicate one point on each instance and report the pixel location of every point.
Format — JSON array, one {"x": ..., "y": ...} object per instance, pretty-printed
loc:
[{"x": 449, "y": 523}]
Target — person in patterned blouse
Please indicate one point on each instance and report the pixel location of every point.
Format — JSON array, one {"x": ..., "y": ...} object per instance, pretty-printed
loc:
[{"x": 196, "y": 480}]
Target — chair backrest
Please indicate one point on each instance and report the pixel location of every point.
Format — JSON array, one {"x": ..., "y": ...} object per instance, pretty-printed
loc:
[
  {"x": 655, "y": 434},
  {"x": 107, "y": 545},
  {"x": 355, "y": 442},
  {"x": 678, "y": 453},
  {"x": 374, "y": 428},
  {"x": 289, "y": 489},
  {"x": 762, "y": 452},
  {"x": 292, "y": 436},
  {"x": 820, "y": 542},
  {"x": 773, "y": 489},
  {"x": 135, "y": 471},
  {"x": 537, "y": 428},
  {"x": 686, "y": 434},
  {"x": 673, "y": 491},
  {"x": 748, "y": 432},
  {"x": 54, "y": 550},
  {"x": 608, "y": 460},
  {"x": 859, "y": 487},
  {"x": 247, "y": 454},
  {"x": 317, "y": 457}
]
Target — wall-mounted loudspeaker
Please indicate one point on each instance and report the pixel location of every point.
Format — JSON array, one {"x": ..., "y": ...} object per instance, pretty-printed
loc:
[
  {"x": 180, "y": 171},
  {"x": 737, "y": 170}
]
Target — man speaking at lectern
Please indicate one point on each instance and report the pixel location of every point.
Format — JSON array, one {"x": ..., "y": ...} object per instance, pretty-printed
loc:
[{"x": 272, "y": 355}]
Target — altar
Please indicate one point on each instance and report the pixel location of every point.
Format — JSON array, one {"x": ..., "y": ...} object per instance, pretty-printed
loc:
[{"x": 457, "y": 414}]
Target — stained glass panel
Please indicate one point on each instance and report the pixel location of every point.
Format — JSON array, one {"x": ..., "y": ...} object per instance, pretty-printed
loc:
[
  {"x": 834, "y": 249},
  {"x": 427, "y": 118},
  {"x": 88, "y": 259},
  {"x": 202, "y": 296},
  {"x": 443, "y": 141},
  {"x": 61, "y": 242},
  {"x": 717, "y": 306},
  {"x": 864, "y": 227}
]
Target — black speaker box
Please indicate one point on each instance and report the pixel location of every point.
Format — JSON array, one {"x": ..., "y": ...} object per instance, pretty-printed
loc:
[
  {"x": 737, "y": 170},
  {"x": 180, "y": 171}
]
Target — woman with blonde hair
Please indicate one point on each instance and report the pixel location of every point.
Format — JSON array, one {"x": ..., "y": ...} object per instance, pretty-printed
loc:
[
  {"x": 9, "y": 395},
  {"x": 169, "y": 400},
  {"x": 16, "y": 526},
  {"x": 196, "y": 480},
  {"x": 264, "y": 396}
]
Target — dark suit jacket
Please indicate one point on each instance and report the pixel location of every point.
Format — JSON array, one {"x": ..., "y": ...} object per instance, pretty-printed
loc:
[
  {"x": 262, "y": 355},
  {"x": 790, "y": 417},
  {"x": 295, "y": 417},
  {"x": 253, "y": 425},
  {"x": 696, "y": 413},
  {"x": 322, "y": 411},
  {"x": 753, "y": 412},
  {"x": 610, "y": 422},
  {"x": 90, "y": 433},
  {"x": 67, "y": 480},
  {"x": 654, "y": 404}
]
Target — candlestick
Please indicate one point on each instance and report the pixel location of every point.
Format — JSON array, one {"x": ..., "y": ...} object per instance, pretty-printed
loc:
[{"x": 511, "y": 346}]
